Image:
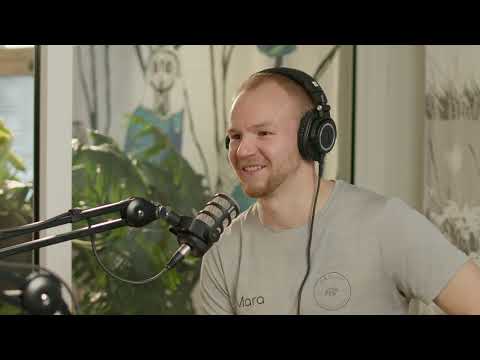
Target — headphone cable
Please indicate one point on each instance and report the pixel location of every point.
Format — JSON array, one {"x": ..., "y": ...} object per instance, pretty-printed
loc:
[{"x": 309, "y": 245}]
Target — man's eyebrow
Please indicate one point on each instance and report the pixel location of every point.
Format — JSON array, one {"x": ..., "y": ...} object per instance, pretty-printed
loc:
[
  {"x": 262, "y": 125},
  {"x": 256, "y": 126}
]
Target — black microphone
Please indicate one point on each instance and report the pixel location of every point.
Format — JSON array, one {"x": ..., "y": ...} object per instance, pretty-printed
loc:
[{"x": 205, "y": 228}]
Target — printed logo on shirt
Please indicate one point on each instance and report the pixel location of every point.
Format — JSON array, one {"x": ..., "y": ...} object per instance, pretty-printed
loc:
[
  {"x": 247, "y": 302},
  {"x": 332, "y": 291}
]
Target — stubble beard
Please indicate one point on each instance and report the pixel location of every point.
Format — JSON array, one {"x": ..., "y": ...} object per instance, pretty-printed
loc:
[{"x": 268, "y": 187}]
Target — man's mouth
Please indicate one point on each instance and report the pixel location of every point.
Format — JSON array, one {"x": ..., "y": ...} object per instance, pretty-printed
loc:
[{"x": 252, "y": 168}]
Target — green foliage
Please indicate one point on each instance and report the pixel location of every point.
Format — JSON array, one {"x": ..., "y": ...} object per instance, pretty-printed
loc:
[
  {"x": 15, "y": 200},
  {"x": 10, "y": 163},
  {"x": 103, "y": 174},
  {"x": 7, "y": 309},
  {"x": 15, "y": 196}
]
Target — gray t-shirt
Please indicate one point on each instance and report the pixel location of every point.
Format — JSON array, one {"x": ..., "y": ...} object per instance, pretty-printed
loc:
[{"x": 369, "y": 255}]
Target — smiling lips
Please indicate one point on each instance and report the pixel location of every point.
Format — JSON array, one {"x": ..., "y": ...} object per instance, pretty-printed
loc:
[{"x": 252, "y": 169}]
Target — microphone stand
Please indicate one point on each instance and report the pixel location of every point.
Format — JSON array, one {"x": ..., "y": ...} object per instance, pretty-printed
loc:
[
  {"x": 134, "y": 212},
  {"x": 41, "y": 293}
]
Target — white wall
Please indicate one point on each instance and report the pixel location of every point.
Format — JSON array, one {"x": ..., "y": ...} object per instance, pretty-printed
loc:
[
  {"x": 390, "y": 89},
  {"x": 56, "y": 152}
]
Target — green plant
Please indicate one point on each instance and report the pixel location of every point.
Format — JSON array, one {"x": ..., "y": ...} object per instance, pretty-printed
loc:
[
  {"x": 15, "y": 200},
  {"x": 103, "y": 174},
  {"x": 15, "y": 195}
]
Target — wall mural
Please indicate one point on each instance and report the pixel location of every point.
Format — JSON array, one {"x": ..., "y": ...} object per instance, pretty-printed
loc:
[
  {"x": 452, "y": 147},
  {"x": 452, "y": 196},
  {"x": 156, "y": 110},
  {"x": 143, "y": 127}
]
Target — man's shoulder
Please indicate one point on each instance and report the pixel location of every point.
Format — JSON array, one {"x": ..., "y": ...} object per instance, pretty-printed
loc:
[
  {"x": 381, "y": 211},
  {"x": 360, "y": 207},
  {"x": 356, "y": 201},
  {"x": 359, "y": 192}
]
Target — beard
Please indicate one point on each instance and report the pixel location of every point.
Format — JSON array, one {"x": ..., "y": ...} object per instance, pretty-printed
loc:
[{"x": 261, "y": 188}]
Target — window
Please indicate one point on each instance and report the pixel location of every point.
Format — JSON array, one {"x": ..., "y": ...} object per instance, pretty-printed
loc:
[{"x": 18, "y": 134}]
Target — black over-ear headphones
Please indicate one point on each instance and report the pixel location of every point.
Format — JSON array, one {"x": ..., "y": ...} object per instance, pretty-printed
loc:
[{"x": 317, "y": 131}]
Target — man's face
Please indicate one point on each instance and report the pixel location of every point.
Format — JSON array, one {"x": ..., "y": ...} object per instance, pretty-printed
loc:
[{"x": 263, "y": 139}]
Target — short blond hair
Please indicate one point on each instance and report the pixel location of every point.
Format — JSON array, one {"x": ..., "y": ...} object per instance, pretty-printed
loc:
[{"x": 292, "y": 88}]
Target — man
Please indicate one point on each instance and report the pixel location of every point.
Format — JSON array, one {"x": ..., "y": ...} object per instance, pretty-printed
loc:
[{"x": 361, "y": 253}]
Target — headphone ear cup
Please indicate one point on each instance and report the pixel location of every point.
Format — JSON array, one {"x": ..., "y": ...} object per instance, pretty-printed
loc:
[
  {"x": 304, "y": 134},
  {"x": 327, "y": 135},
  {"x": 316, "y": 137}
]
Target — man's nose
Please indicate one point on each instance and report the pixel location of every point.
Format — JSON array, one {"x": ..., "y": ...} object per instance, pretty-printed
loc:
[{"x": 246, "y": 147}]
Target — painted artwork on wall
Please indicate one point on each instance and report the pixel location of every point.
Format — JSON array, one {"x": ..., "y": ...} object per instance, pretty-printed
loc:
[
  {"x": 452, "y": 178},
  {"x": 452, "y": 148}
]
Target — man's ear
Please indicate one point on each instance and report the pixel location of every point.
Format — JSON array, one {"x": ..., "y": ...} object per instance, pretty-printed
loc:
[
  {"x": 227, "y": 142},
  {"x": 227, "y": 147},
  {"x": 228, "y": 158}
]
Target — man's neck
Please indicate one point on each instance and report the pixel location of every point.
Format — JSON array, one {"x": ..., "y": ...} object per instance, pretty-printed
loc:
[{"x": 292, "y": 208}]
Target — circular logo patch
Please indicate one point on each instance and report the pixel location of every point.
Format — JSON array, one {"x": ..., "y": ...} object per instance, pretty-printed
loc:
[{"x": 332, "y": 291}]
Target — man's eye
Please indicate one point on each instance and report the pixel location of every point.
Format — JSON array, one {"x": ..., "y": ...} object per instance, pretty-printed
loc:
[
  {"x": 263, "y": 133},
  {"x": 234, "y": 137}
]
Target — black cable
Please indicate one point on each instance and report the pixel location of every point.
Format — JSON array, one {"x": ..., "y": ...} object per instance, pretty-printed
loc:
[
  {"x": 134, "y": 282},
  {"x": 309, "y": 245}
]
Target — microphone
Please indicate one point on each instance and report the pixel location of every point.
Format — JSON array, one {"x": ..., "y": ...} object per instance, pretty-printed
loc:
[{"x": 205, "y": 228}]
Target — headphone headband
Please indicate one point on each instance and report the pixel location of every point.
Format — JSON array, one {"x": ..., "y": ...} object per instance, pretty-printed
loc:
[{"x": 309, "y": 84}]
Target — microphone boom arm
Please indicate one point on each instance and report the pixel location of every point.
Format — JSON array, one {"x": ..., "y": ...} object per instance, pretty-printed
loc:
[
  {"x": 193, "y": 234},
  {"x": 134, "y": 211},
  {"x": 34, "y": 293}
]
